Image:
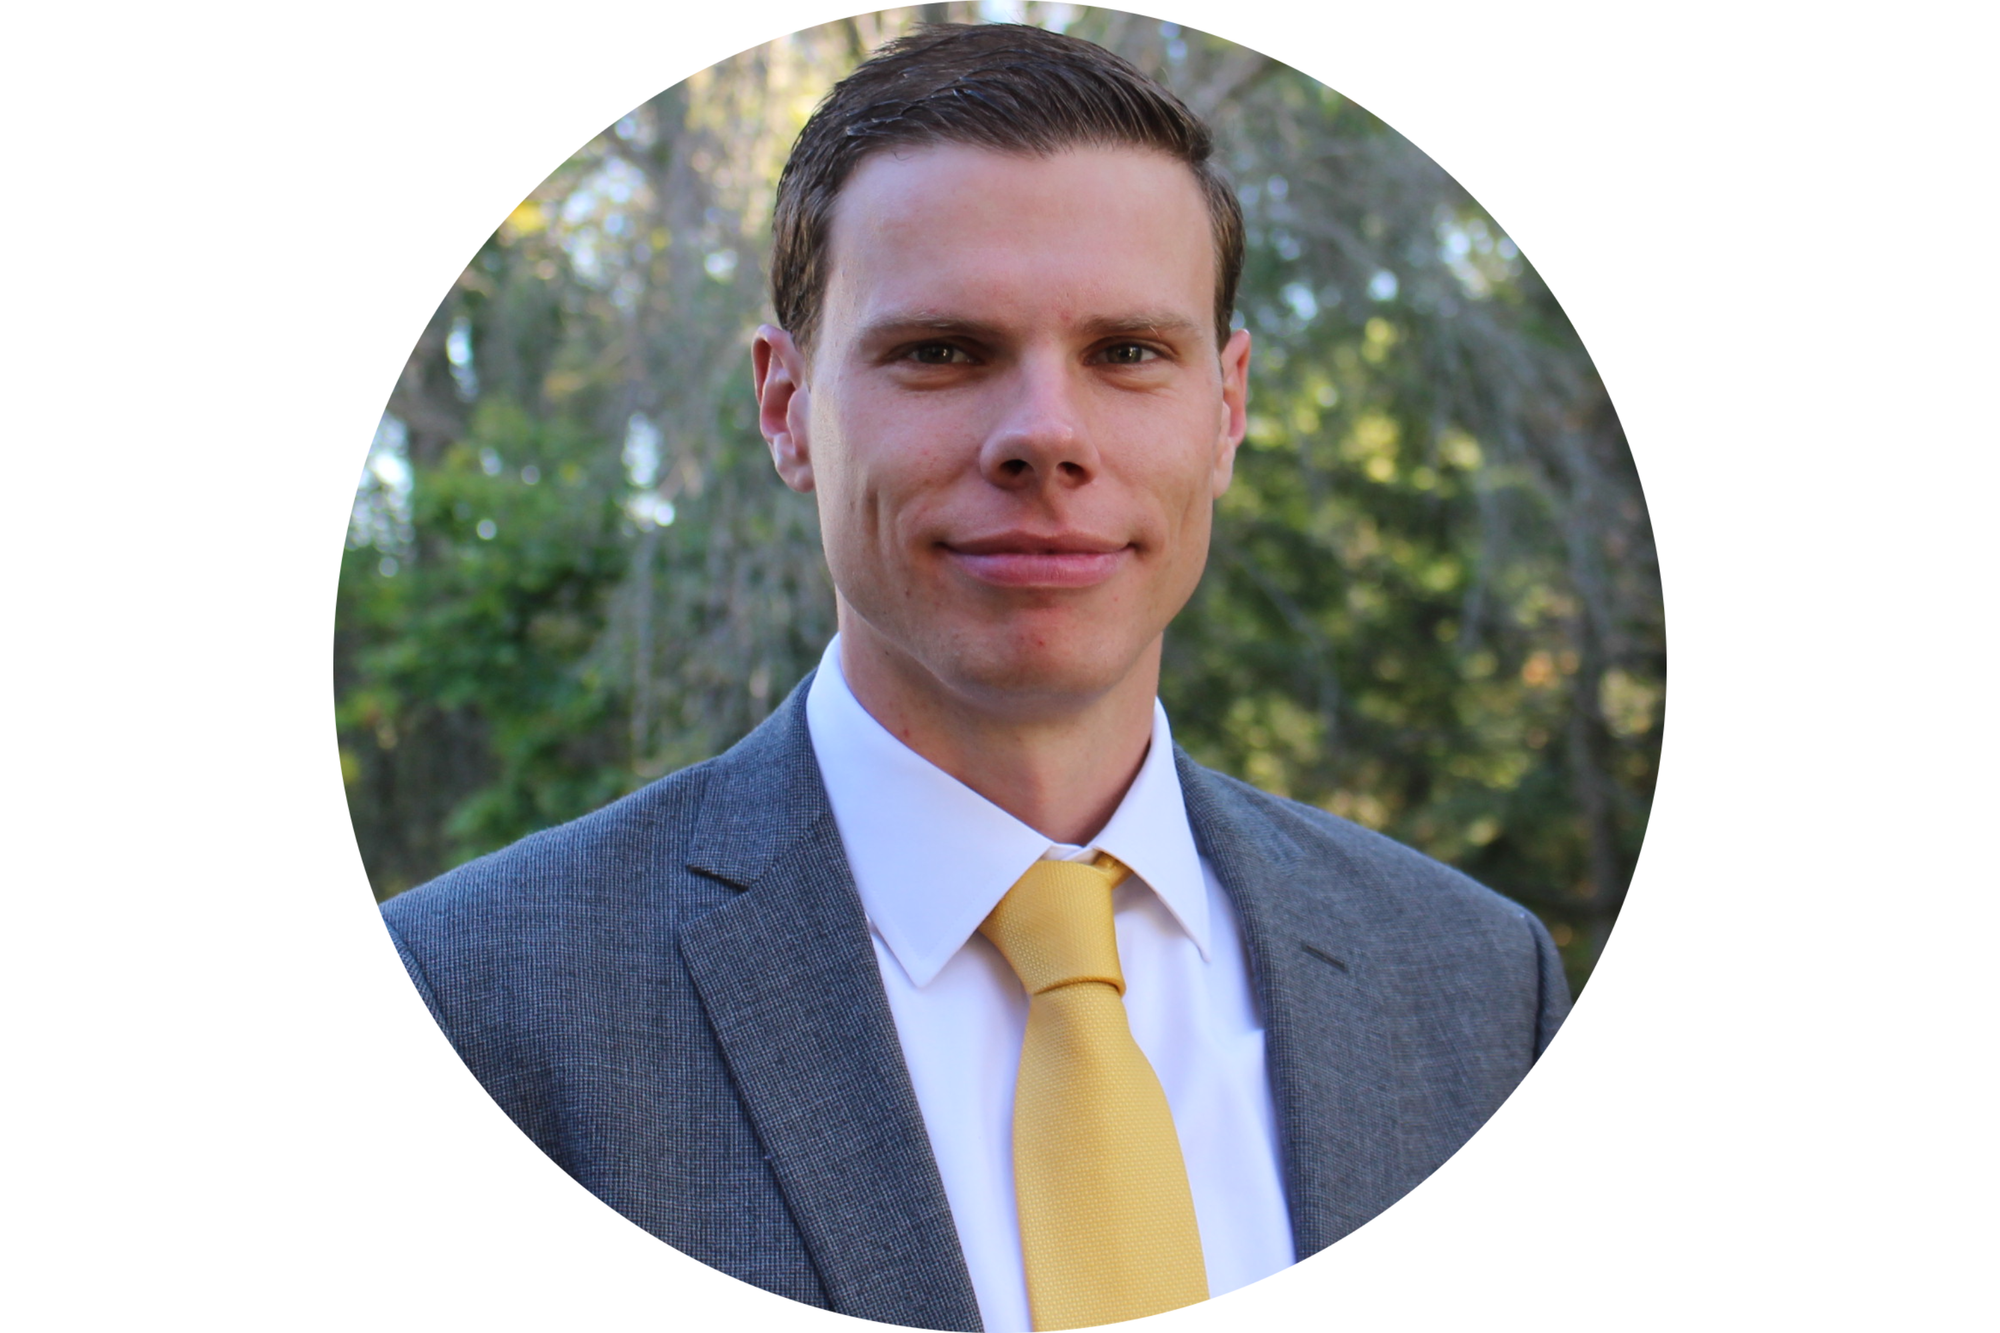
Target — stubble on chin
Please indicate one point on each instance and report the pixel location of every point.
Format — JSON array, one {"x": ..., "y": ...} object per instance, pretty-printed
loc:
[{"x": 1034, "y": 668}]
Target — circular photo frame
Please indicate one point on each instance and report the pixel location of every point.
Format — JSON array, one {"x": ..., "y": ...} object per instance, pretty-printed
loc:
[{"x": 1416, "y": 688}]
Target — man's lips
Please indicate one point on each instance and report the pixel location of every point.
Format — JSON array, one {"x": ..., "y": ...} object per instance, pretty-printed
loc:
[{"x": 1026, "y": 560}]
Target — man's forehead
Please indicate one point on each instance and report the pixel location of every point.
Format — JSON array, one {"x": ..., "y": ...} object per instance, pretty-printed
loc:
[
  {"x": 947, "y": 157},
  {"x": 932, "y": 233}
]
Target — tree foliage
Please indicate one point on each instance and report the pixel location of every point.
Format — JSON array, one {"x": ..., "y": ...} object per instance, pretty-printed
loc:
[{"x": 1432, "y": 604}]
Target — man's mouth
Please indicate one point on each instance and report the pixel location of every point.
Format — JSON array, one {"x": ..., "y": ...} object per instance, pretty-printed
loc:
[{"x": 1032, "y": 560}]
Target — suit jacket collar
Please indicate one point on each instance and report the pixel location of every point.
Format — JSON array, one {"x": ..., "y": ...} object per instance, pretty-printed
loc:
[
  {"x": 901, "y": 817},
  {"x": 788, "y": 979},
  {"x": 1328, "y": 1042}
]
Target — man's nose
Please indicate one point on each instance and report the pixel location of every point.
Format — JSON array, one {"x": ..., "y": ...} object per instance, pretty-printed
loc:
[{"x": 1040, "y": 438}]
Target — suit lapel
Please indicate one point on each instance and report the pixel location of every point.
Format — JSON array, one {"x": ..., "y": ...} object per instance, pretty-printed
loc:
[
  {"x": 1328, "y": 1039},
  {"x": 788, "y": 979}
]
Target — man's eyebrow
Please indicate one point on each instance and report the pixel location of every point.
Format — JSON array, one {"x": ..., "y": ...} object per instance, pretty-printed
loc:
[
  {"x": 910, "y": 323},
  {"x": 1163, "y": 324}
]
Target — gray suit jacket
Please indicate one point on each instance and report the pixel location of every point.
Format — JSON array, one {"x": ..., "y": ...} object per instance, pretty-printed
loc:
[{"x": 677, "y": 1000}]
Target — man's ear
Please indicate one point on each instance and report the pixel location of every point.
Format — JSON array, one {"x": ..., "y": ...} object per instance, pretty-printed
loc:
[
  {"x": 1235, "y": 405},
  {"x": 783, "y": 403}
]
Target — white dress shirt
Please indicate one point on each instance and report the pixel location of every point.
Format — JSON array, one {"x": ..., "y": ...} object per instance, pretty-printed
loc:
[{"x": 931, "y": 858}]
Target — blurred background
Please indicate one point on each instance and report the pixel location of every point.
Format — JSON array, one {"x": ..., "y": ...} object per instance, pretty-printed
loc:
[{"x": 1432, "y": 604}]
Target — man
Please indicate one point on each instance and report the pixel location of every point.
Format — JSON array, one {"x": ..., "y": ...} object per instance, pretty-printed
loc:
[{"x": 955, "y": 996}]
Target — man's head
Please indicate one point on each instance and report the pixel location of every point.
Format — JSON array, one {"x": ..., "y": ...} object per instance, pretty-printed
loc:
[
  {"x": 1017, "y": 395},
  {"x": 1005, "y": 87}
]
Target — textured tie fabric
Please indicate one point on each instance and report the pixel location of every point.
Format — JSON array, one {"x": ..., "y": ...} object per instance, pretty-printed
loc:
[{"x": 1107, "y": 1222}]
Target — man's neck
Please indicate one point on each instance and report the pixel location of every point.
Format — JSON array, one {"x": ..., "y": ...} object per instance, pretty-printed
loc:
[{"x": 1062, "y": 771}]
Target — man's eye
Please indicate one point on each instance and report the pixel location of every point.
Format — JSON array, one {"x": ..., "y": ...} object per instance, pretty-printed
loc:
[
  {"x": 937, "y": 354},
  {"x": 1128, "y": 354}
]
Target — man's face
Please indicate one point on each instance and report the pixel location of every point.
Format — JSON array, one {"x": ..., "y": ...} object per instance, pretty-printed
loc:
[{"x": 1015, "y": 415}]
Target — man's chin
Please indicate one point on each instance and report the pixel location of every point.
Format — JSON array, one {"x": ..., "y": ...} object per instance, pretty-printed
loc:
[{"x": 1038, "y": 669}]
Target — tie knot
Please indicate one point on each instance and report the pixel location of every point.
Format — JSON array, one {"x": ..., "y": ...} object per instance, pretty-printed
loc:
[{"x": 1054, "y": 926}]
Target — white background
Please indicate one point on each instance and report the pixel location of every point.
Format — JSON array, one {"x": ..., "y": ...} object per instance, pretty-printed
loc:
[{"x": 225, "y": 227}]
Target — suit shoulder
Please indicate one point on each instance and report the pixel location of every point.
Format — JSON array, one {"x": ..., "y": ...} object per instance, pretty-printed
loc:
[
  {"x": 564, "y": 868},
  {"x": 1402, "y": 879}
]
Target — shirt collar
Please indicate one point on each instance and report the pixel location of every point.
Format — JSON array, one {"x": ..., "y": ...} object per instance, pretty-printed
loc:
[{"x": 931, "y": 857}]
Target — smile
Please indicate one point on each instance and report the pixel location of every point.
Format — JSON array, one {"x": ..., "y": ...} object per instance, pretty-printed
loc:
[{"x": 1025, "y": 560}]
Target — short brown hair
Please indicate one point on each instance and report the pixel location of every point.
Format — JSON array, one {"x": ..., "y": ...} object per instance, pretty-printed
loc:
[{"x": 1005, "y": 86}]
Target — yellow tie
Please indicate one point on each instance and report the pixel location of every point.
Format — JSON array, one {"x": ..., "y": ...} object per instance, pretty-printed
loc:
[{"x": 1107, "y": 1223}]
